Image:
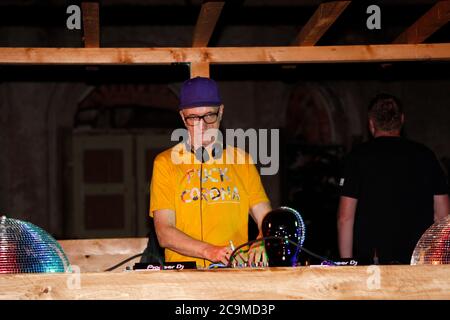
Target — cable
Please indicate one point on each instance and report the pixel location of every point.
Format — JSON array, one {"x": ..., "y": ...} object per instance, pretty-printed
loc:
[
  {"x": 201, "y": 203},
  {"x": 279, "y": 238},
  {"x": 123, "y": 262},
  {"x": 217, "y": 265},
  {"x": 236, "y": 250}
]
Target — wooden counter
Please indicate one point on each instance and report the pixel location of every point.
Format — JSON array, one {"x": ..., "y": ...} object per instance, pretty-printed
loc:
[
  {"x": 396, "y": 282},
  {"x": 362, "y": 282}
]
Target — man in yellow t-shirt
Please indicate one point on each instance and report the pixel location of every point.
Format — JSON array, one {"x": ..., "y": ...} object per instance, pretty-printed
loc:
[{"x": 202, "y": 192}]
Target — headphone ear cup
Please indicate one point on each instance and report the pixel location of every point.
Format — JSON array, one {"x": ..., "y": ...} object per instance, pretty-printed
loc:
[
  {"x": 202, "y": 154},
  {"x": 217, "y": 150},
  {"x": 205, "y": 155}
]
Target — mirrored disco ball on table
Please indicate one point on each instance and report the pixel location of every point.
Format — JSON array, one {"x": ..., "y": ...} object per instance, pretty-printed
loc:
[
  {"x": 26, "y": 248},
  {"x": 434, "y": 245}
]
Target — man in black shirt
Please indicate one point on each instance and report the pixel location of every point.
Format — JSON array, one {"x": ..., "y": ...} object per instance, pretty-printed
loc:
[{"x": 392, "y": 190}]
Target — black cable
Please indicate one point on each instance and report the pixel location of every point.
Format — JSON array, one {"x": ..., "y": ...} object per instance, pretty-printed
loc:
[
  {"x": 279, "y": 238},
  {"x": 123, "y": 262},
  {"x": 201, "y": 203},
  {"x": 236, "y": 250}
]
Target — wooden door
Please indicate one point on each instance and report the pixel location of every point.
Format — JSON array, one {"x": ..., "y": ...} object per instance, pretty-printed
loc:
[{"x": 104, "y": 186}]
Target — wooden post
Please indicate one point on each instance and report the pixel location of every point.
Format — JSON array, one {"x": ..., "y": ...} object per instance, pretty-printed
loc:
[
  {"x": 206, "y": 22},
  {"x": 429, "y": 23},
  {"x": 91, "y": 26},
  {"x": 322, "y": 19},
  {"x": 199, "y": 69}
]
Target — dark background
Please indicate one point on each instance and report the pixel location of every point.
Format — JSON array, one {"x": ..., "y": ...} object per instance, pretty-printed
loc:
[{"x": 97, "y": 128}]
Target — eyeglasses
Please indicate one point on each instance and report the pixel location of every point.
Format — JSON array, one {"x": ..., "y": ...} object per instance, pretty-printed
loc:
[{"x": 208, "y": 118}]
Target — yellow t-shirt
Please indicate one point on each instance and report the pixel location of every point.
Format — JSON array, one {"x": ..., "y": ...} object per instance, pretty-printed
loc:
[{"x": 229, "y": 190}]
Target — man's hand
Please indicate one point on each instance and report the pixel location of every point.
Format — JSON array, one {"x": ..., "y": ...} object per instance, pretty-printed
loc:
[
  {"x": 218, "y": 254},
  {"x": 257, "y": 253},
  {"x": 170, "y": 237}
]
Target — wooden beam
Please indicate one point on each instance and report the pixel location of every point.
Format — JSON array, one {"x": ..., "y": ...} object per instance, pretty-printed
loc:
[
  {"x": 206, "y": 22},
  {"x": 91, "y": 25},
  {"x": 199, "y": 69},
  {"x": 425, "y": 26},
  {"x": 394, "y": 282},
  {"x": 227, "y": 55},
  {"x": 322, "y": 19},
  {"x": 97, "y": 255}
]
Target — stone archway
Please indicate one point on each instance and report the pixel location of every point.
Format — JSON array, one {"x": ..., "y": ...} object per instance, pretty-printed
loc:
[
  {"x": 137, "y": 94},
  {"x": 118, "y": 130},
  {"x": 317, "y": 134},
  {"x": 128, "y": 105},
  {"x": 64, "y": 101},
  {"x": 315, "y": 116}
]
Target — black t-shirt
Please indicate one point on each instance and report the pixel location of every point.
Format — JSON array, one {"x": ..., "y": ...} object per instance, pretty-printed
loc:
[{"x": 394, "y": 180}]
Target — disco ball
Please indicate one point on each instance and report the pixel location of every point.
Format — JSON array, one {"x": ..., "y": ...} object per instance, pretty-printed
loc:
[
  {"x": 434, "y": 245},
  {"x": 286, "y": 223},
  {"x": 26, "y": 248}
]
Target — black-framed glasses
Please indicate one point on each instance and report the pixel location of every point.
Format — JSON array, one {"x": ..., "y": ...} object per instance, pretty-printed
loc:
[{"x": 208, "y": 118}]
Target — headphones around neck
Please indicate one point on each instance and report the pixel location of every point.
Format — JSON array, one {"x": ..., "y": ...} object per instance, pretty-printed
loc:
[{"x": 202, "y": 154}]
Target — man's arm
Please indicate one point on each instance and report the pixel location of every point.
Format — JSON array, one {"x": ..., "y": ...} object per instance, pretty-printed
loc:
[
  {"x": 346, "y": 219},
  {"x": 440, "y": 188},
  {"x": 256, "y": 251},
  {"x": 172, "y": 238},
  {"x": 258, "y": 212},
  {"x": 441, "y": 207}
]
